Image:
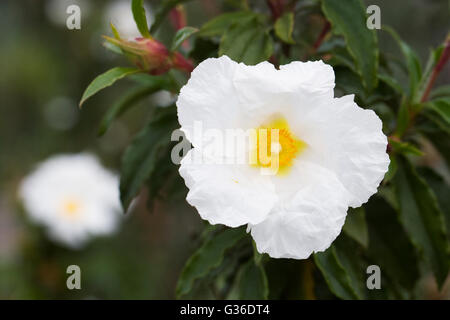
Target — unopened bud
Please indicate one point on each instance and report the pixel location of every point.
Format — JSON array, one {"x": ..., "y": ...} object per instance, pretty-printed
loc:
[{"x": 151, "y": 55}]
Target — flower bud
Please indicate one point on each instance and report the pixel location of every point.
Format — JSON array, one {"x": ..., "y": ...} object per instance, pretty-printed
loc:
[{"x": 151, "y": 55}]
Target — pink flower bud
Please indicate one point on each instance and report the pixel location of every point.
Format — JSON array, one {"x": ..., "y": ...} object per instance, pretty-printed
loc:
[{"x": 151, "y": 55}]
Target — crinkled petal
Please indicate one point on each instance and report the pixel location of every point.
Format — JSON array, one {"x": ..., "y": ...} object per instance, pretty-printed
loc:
[
  {"x": 263, "y": 86},
  {"x": 315, "y": 76},
  {"x": 348, "y": 140},
  {"x": 209, "y": 98},
  {"x": 309, "y": 220},
  {"x": 232, "y": 195}
]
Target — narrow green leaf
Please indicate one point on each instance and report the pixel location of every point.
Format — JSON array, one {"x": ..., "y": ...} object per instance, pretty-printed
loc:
[
  {"x": 355, "y": 226},
  {"x": 181, "y": 36},
  {"x": 350, "y": 256},
  {"x": 441, "y": 107},
  {"x": 140, "y": 157},
  {"x": 433, "y": 59},
  {"x": 218, "y": 25},
  {"x": 422, "y": 219},
  {"x": 392, "y": 83},
  {"x": 389, "y": 245},
  {"x": 412, "y": 62},
  {"x": 208, "y": 257},
  {"x": 137, "y": 7},
  {"x": 440, "y": 188},
  {"x": 105, "y": 80},
  {"x": 334, "y": 273},
  {"x": 403, "y": 118},
  {"x": 442, "y": 91},
  {"x": 404, "y": 148},
  {"x": 349, "y": 20},
  {"x": 112, "y": 47},
  {"x": 393, "y": 166},
  {"x": 253, "y": 282},
  {"x": 284, "y": 26},
  {"x": 246, "y": 42},
  {"x": 128, "y": 100},
  {"x": 436, "y": 131},
  {"x": 114, "y": 31}
]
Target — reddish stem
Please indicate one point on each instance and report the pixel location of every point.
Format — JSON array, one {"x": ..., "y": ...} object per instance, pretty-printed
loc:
[
  {"x": 326, "y": 28},
  {"x": 437, "y": 69},
  {"x": 276, "y": 7},
  {"x": 322, "y": 36}
]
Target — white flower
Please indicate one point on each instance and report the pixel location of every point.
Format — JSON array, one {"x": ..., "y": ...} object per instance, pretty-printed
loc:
[
  {"x": 74, "y": 197},
  {"x": 332, "y": 153}
]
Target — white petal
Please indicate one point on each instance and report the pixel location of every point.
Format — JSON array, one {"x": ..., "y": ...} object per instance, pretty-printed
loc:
[
  {"x": 308, "y": 220},
  {"x": 262, "y": 86},
  {"x": 209, "y": 97},
  {"x": 349, "y": 141},
  {"x": 232, "y": 195},
  {"x": 315, "y": 76}
]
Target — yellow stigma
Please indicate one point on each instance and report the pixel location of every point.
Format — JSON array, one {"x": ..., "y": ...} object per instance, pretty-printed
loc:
[
  {"x": 71, "y": 208},
  {"x": 275, "y": 140}
]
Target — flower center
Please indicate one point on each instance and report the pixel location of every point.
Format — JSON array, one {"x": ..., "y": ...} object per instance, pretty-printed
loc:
[
  {"x": 276, "y": 146},
  {"x": 71, "y": 208}
]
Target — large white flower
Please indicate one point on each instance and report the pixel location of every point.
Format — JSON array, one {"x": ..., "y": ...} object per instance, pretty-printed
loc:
[
  {"x": 332, "y": 153},
  {"x": 74, "y": 197}
]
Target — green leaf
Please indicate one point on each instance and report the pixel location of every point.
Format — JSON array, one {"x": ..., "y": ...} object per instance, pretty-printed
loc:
[
  {"x": 218, "y": 25},
  {"x": 284, "y": 26},
  {"x": 208, "y": 257},
  {"x": 140, "y": 157},
  {"x": 442, "y": 91},
  {"x": 391, "y": 82},
  {"x": 393, "y": 166},
  {"x": 137, "y": 7},
  {"x": 128, "y": 100},
  {"x": 433, "y": 59},
  {"x": 114, "y": 31},
  {"x": 441, "y": 107},
  {"x": 253, "y": 282},
  {"x": 403, "y": 118},
  {"x": 422, "y": 219},
  {"x": 355, "y": 226},
  {"x": 436, "y": 131},
  {"x": 349, "y": 20},
  {"x": 404, "y": 148},
  {"x": 181, "y": 36},
  {"x": 112, "y": 47},
  {"x": 389, "y": 245},
  {"x": 350, "y": 256},
  {"x": 440, "y": 188},
  {"x": 334, "y": 273},
  {"x": 105, "y": 80},
  {"x": 412, "y": 62},
  {"x": 246, "y": 42}
]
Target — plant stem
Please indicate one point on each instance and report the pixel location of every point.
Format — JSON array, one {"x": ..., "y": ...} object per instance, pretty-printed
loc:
[
  {"x": 326, "y": 28},
  {"x": 445, "y": 56}
]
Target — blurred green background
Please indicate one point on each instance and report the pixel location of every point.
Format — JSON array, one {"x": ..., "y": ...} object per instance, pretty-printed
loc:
[{"x": 44, "y": 69}]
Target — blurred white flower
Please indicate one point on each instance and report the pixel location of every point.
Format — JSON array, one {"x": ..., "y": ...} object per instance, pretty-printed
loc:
[
  {"x": 74, "y": 197},
  {"x": 119, "y": 13},
  {"x": 331, "y": 153}
]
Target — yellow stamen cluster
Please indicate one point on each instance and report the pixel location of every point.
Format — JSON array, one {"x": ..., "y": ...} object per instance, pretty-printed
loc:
[{"x": 276, "y": 146}]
